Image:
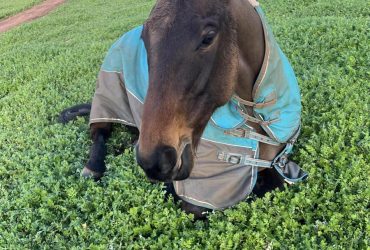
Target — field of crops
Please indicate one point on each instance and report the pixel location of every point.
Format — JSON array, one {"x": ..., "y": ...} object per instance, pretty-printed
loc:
[
  {"x": 11, "y": 7},
  {"x": 52, "y": 63}
]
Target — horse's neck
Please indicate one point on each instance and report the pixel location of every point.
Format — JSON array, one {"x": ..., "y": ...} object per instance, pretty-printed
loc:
[{"x": 251, "y": 47}]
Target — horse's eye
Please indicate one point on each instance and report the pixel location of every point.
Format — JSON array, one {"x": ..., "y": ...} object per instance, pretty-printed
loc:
[{"x": 208, "y": 39}]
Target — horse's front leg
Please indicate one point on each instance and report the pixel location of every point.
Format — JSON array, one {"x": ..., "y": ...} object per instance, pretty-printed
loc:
[{"x": 95, "y": 166}]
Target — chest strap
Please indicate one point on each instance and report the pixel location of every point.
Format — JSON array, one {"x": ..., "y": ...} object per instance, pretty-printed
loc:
[
  {"x": 239, "y": 159},
  {"x": 257, "y": 105},
  {"x": 248, "y": 133},
  {"x": 256, "y": 120},
  {"x": 243, "y": 104}
]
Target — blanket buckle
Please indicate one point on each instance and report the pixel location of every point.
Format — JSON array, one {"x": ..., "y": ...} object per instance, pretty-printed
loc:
[
  {"x": 230, "y": 157},
  {"x": 282, "y": 161}
]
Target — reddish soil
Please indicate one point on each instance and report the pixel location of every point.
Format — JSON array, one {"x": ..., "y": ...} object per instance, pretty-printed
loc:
[{"x": 28, "y": 15}]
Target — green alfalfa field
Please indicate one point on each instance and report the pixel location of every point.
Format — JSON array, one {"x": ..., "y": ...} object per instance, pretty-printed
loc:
[{"x": 52, "y": 63}]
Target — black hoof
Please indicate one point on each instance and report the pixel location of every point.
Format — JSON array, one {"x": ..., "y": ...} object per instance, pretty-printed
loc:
[
  {"x": 200, "y": 213},
  {"x": 89, "y": 174},
  {"x": 72, "y": 113}
]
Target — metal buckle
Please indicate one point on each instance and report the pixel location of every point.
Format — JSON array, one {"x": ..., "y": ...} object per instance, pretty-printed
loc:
[
  {"x": 230, "y": 157},
  {"x": 234, "y": 158},
  {"x": 282, "y": 161},
  {"x": 221, "y": 156},
  {"x": 239, "y": 132}
]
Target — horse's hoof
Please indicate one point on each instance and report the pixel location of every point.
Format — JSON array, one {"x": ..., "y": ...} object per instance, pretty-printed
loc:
[
  {"x": 200, "y": 213},
  {"x": 89, "y": 174}
]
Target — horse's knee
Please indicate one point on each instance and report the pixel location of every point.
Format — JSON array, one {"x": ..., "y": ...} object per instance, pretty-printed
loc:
[{"x": 95, "y": 166}]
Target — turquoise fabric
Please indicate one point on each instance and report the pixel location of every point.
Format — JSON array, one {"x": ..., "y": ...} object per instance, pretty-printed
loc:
[{"x": 128, "y": 55}]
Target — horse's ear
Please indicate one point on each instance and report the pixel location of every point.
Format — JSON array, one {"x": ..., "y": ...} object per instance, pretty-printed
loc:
[
  {"x": 254, "y": 3},
  {"x": 152, "y": 10}
]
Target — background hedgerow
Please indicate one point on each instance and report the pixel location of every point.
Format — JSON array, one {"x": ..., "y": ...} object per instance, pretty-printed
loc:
[
  {"x": 11, "y": 7},
  {"x": 52, "y": 63}
]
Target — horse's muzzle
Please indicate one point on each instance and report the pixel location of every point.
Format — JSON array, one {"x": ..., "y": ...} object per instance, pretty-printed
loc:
[{"x": 164, "y": 164}]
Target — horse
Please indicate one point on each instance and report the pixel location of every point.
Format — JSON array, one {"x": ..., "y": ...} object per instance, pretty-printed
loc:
[{"x": 169, "y": 81}]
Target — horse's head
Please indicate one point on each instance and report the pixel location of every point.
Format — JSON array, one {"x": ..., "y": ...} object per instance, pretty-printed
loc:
[{"x": 192, "y": 56}]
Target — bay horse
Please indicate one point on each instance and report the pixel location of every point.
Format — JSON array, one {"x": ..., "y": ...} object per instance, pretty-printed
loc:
[{"x": 171, "y": 81}]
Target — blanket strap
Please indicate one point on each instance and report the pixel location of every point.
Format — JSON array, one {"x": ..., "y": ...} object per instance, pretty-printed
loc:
[
  {"x": 248, "y": 133},
  {"x": 243, "y": 104},
  {"x": 243, "y": 160},
  {"x": 258, "y": 105},
  {"x": 256, "y": 120}
]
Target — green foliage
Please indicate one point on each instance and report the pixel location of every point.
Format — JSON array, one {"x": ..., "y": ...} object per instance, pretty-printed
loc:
[
  {"x": 52, "y": 63},
  {"x": 11, "y": 7}
]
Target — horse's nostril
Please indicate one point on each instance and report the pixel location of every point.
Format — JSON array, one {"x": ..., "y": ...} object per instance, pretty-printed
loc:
[
  {"x": 167, "y": 159},
  {"x": 161, "y": 161}
]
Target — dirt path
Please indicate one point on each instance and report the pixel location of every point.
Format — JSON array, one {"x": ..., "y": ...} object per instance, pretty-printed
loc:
[{"x": 28, "y": 15}]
